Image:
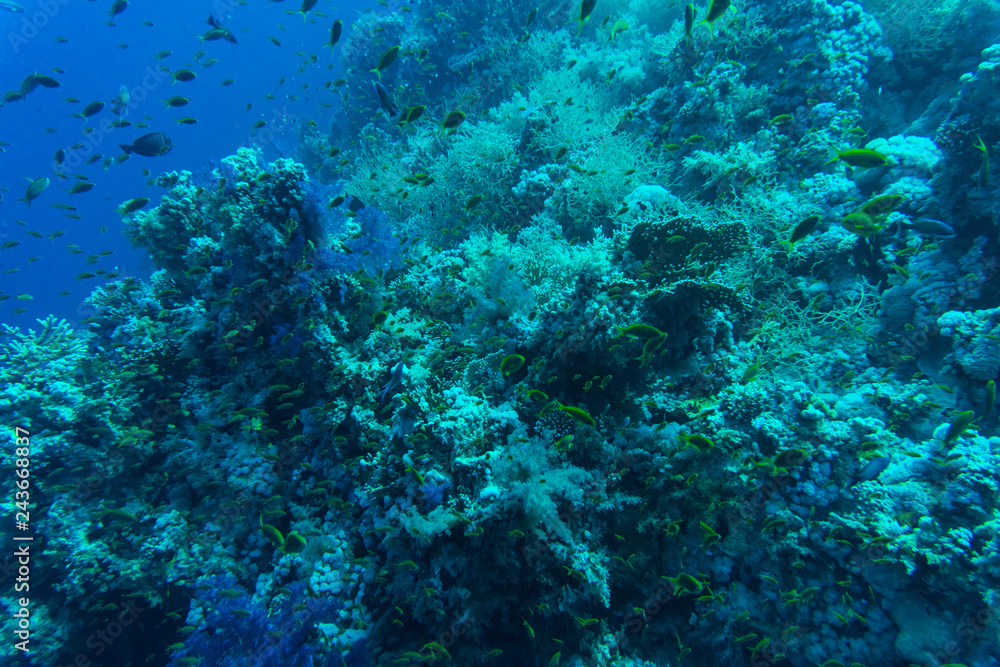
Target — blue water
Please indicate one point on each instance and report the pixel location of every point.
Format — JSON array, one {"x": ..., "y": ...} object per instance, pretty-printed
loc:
[{"x": 97, "y": 63}]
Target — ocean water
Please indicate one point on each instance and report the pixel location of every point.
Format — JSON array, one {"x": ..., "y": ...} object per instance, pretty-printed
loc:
[{"x": 578, "y": 333}]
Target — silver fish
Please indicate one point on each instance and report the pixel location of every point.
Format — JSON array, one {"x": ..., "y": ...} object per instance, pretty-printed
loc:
[
  {"x": 931, "y": 227},
  {"x": 872, "y": 470}
]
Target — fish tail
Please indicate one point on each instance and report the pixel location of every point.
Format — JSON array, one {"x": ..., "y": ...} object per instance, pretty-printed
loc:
[
  {"x": 580, "y": 27},
  {"x": 836, "y": 155},
  {"x": 126, "y": 147}
]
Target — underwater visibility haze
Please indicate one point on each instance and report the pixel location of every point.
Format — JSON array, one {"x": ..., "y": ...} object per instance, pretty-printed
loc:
[{"x": 571, "y": 334}]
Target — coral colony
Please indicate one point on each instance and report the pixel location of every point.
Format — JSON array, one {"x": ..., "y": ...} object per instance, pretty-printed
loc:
[{"x": 612, "y": 333}]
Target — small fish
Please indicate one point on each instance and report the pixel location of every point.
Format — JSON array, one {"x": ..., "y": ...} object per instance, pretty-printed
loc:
[
  {"x": 184, "y": 75},
  {"x": 117, "y": 7},
  {"x": 212, "y": 35},
  {"x": 803, "y": 229},
  {"x": 531, "y": 17},
  {"x": 586, "y": 8},
  {"x": 149, "y": 145},
  {"x": 227, "y": 82},
  {"x": 881, "y": 206},
  {"x": 689, "y": 16},
  {"x": 452, "y": 121},
  {"x": 394, "y": 381},
  {"x": 384, "y": 98},
  {"x": 187, "y": 120},
  {"x": 35, "y": 190},
  {"x": 90, "y": 110},
  {"x": 411, "y": 115},
  {"x": 336, "y": 30},
  {"x": 11, "y": 6},
  {"x": 619, "y": 27},
  {"x": 227, "y": 34},
  {"x": 862, "y": 224},
  {"x": 871, "y": 471},
  {"x": 306, "y": 6},
  {"x": 984, "y": 167},
  {"x": 32, "y": 81},
  {"x": 931, "y": 227},
  {"x": 81, "y": 187},
  {"x": 388, "y": 58},
  {"x": 859, "y": 157},
  {"x": 175, "y": 101},
  {"x": 133, "y": 205}
]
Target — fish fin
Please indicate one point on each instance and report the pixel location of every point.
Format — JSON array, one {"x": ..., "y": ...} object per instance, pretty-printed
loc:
[{"x": 836, "y": 155}]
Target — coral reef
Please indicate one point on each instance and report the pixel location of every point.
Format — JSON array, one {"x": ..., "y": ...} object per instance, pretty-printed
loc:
[{"x": 597, "y": 375}]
